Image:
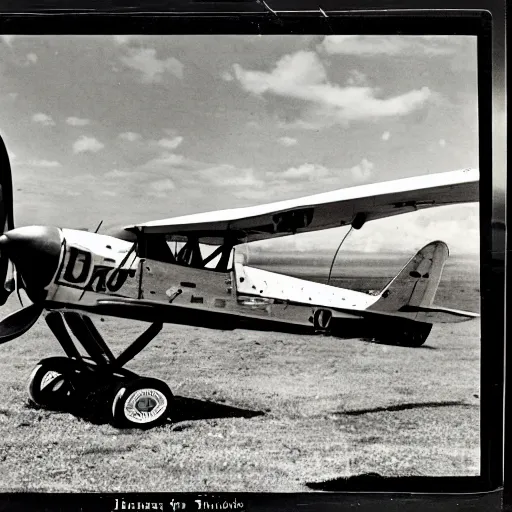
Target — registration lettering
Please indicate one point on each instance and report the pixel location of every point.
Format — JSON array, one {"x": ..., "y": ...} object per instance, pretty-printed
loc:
[{"x": 79, "y": 271}]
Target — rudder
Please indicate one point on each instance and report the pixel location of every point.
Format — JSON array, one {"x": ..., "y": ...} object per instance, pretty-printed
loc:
[{"x": 417, "y": 282}]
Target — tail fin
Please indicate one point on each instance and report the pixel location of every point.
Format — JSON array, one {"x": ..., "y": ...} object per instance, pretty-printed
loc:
[
  {"x": 411, "y": 293},
  {"x": 417, "y": 282}
]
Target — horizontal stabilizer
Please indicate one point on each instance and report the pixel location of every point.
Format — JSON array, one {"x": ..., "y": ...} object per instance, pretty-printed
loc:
[{"x": 438, "y": 314}]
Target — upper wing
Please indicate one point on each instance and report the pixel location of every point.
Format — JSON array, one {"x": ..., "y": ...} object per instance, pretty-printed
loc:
[{"x": 354, "y": 205}]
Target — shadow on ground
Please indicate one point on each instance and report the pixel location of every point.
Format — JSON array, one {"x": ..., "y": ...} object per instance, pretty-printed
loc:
[
  {"x": 94, "y": 410},
  {"x": 404, "y": 407},
  {"x": 373, "y": 482},
  {"x": 193, "y": 409}
]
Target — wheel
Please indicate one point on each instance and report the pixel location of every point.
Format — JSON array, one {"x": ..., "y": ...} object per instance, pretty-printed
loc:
[
  {"x": 414, "y": 337},
  {"x": 141, "y": 403},
  {"x": 50, "y": 384}
]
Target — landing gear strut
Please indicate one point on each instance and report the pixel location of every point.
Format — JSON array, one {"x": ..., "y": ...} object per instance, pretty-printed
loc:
[{"x": 98, "y": 383}]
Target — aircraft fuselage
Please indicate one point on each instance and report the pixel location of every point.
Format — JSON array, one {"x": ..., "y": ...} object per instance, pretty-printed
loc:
[{"x": 93, "y": 267}]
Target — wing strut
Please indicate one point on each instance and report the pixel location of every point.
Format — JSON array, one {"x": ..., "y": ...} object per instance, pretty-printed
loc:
[{"x": 337, "y": 250}]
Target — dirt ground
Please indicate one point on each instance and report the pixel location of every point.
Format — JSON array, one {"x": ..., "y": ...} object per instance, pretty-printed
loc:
[{"x": 258, "y": 411}]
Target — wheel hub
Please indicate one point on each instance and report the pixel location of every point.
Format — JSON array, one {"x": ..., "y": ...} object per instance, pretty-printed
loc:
[
  {"x": 145, "y": 405},
  {"x": 49, "y": 378}
]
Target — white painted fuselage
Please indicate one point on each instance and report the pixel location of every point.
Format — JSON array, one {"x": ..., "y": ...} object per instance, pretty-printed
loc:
[{"x": 93, "y": 265}]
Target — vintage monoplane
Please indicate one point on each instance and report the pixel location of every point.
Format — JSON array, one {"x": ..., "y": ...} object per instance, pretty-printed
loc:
[{"x": 137, "y": 275}]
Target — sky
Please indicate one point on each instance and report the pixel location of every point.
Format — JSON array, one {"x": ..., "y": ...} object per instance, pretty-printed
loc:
[{"x": 126, "y": 129}]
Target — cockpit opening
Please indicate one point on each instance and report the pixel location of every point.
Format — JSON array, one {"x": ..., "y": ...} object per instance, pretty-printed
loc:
[{"x": 187, "y": 251}]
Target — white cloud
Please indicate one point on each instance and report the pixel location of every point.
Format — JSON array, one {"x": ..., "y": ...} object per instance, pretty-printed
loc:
[
  {"x": 356, "y": 78},
  {"x": 442, "y": 143},
  {"x": 362, "y": 171},
  {"x": 227, "y": 76},
  {"x": 226, "y": 175},
  {"x": 302, "y": 75},
  {"x": 13, "y": 95},
  {"x": 116, "y": 173},
  {"x": 292, "y": 179},
  {"x": 307, "y": 171},
  {"x": 7, "y": 38},
  {"x": 296, "y": 181},
  {"x": 299, "y": 69},
  {"x": 48, "y": 164},
  {"x": 152, "y": 68},
  {"x": 130, "y": 136},
  {"x": 160, "y": 187},
  {"x": 170, "y": 143},
  {"x": 31, "y": 58},
  {"x": 43, "y": 119},
  {"x": 85, "y": 143},
  {"x": 287, "y": 141},
  {"x": 388, "y": 45},
  {"x": 122, "y": 39},
  {"x": 77, "y": 121},
  {"x": 386, "y": 136},
  {"x": 164, "y": 161},
  {"x": 109, "y": 193}
]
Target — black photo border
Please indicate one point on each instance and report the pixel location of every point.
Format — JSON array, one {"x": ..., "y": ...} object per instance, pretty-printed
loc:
[{"x": 286, "y": 17}]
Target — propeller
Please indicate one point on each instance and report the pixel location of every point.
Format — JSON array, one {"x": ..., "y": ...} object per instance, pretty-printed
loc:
[
  {"x": 6, "y": 214},
  {"x": 19, "y": 322}
]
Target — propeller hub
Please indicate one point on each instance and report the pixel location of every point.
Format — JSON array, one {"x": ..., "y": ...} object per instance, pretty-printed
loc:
[{"x": 35, "y": 252}]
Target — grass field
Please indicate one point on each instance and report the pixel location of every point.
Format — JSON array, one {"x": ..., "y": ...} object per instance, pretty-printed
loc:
[{"x": 260, "y": 411}]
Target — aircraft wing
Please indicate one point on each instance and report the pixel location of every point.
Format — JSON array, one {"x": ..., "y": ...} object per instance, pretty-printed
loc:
[{"x": 353, "y": 205}]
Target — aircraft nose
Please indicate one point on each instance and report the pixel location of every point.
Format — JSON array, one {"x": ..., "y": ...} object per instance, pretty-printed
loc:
[{"x": 35, "y": 251}]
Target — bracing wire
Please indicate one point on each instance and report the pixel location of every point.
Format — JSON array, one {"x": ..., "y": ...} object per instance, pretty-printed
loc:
[{"x": 336, "y": 253}]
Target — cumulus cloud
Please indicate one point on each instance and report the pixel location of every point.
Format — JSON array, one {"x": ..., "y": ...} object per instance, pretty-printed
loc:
[
  {"x": 362, "y": 171},
  {"x": 150, "y": 66},
  {"x": 356, "y": 78},
  {"x": 386, "y": 136},
  {"x": 77, "y": 121},
  {"x": 48, "y": 164},
  {"x": 320, "y": 175},
  {"x": 370, "y": 45},
  {"x": 130, "y": 136},
  {"x": 442, "y": 143},
  {"x": 116, "y": 173},
  {"x": 226, "y": 175},
  {"x": 303, "y": 76},
  {"x": 122, "y": 38},
  {"x": 44, "y": 119},
  {"x": 296, "y": 181},
  {"x": 164, "y": 161},
  {"x": 227, "y": 76},
  {"x": 170, "y": 143},
  {"x": 159, "y": 188},
  {"x": 31, "y": 58},
  {"x": 7, "y": 38},
  {"x": 84, "y": 144},
  {"x": 287, "y": 141},
  {"x": 307, "y": 171}
]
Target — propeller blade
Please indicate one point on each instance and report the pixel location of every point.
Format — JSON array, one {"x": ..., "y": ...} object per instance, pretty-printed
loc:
[
  {"x": 19, "y": 322},
  {"x": 6, "y": 213},
  {"x": 6, "y": 197}
]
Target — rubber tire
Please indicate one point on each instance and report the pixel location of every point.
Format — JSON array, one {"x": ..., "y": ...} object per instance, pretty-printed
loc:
[
  {"x": 414, "y": 338},
  {"x": 49, "y": 397},
  {"x": 125, "y": 391}
]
